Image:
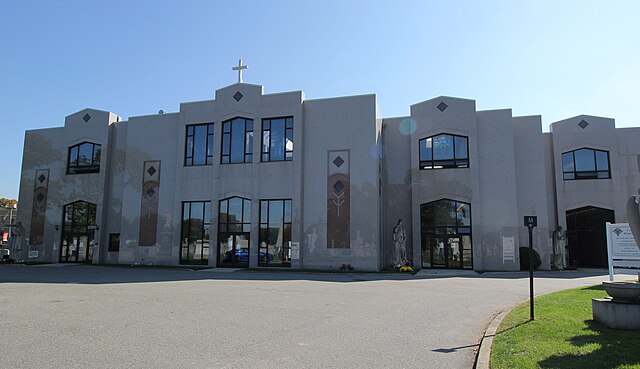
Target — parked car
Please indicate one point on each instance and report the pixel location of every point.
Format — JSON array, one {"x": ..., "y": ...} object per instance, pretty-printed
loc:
[{"x": 242, "y": 256}]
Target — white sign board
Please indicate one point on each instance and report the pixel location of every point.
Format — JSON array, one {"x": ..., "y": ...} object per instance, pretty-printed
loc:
[
  {"x": 33, "y": 254},
  {"x": 295, "y": 250},
  {"x": 621, "y": 247},
  {"x": 508, "y": 249}
]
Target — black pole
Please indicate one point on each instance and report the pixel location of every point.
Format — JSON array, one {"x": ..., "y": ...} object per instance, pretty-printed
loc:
[{"x": 531, "y": 271}]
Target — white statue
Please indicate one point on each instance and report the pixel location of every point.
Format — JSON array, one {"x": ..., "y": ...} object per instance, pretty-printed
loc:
[
  {"x": 17, "y": 235},
  {"x": 399, "y": 245},
  {"x": 559, "y": 244},
  {"x": 633, "y": 217}
]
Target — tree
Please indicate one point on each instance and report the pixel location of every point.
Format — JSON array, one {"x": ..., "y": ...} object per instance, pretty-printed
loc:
[{"x": 7, "y": 203}]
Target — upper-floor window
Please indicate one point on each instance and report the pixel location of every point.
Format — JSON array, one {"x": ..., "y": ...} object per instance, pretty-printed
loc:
[
  {"x": 277, "y": 139},
  {"x": 84, "y": 158},
  {"x": 198, "y": 148},
  {"x": 237, "y": 141},
  {"x": 585, "y": 164},
  {"x": 444, "y": 151}
]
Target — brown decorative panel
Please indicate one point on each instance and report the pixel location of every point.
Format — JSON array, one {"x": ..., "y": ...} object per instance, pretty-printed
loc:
[
  {"x": 149, "y": 203},
  {"x": 41, "y": 188},
  {"x": 338, "y": 200}
]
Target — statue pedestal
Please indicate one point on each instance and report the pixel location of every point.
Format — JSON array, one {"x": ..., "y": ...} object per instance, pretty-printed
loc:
[{"x": 616, "y": 315}]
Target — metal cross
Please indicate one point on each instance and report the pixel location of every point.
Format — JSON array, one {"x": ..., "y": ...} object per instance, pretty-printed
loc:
[{"x": 239, "y": 68}]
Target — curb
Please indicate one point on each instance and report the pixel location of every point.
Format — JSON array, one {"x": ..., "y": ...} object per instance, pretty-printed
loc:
[{"x": 483, "y": 360}]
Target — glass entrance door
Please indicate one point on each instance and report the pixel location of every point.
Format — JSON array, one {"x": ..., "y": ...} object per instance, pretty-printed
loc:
[
  {"x": 451, "y": 251},
  {"x": 446, "y": 234},
  {"x": 77, "y": 248},
  {"x": 78, "y": 229},
  {"x": 233, "y": 250}
]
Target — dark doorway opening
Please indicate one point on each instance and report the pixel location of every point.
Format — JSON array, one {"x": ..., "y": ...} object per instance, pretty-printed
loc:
[{"x": 587, "y": 238}]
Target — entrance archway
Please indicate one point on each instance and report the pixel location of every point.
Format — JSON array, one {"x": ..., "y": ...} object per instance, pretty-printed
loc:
[
  {"x": 234, "y": 227},
  {"x": 586, "y": 237},
  {"x": 79, "y": 221},
  {"x": 446, "y": 234}
]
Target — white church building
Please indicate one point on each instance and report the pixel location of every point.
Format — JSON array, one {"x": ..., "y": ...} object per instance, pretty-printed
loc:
[{"x": 257, "y": 180}]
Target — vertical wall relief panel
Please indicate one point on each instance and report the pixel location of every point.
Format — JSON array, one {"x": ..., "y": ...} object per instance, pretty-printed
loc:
[
  {"x": 41, "y": 188},
  {"x": 338, "y": 200},
  {"x": 149, "y": 203}
]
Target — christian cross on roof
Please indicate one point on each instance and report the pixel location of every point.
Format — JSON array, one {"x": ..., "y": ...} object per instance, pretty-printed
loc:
[{"x": 239, "y": 68}]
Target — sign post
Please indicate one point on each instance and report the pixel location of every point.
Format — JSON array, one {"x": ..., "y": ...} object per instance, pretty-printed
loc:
[{"x": 531, "y": 222}]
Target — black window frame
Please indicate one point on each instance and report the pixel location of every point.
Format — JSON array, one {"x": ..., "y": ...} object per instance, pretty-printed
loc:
[
  {"x": 264, "y": 226},
  {"x": 114, "y": 245},
  {"x": 185, "y": 232},
  {"x": 452, "y": 163},
  {"x": 586, "y": 174},
  {"x": 266, "y": 155},
  {"x": 208, "y": 149},
  {"x": 76, "y": 168},
  {"x": 225, "y": 158}
]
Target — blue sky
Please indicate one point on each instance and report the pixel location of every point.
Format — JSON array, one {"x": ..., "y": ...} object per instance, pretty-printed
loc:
[{"x": 553, "y": 58}]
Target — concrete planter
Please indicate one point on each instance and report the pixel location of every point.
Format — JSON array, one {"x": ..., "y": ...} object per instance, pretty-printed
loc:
[{"x": 623, "y": 291}]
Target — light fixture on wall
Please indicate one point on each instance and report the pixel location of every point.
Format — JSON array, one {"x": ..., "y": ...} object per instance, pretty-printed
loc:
[
  {"x": 94, "y": 227},
  {"x": 57, "y": 227}
]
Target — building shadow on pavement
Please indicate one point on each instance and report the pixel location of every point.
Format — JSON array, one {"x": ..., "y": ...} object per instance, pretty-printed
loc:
[{"x": 101, "y": 274}]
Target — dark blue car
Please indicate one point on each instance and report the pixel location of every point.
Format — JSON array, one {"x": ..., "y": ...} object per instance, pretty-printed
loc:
[{"x": 242, "y": 256}]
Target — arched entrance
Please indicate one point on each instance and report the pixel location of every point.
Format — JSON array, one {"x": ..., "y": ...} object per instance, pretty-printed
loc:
[
  {"x": 234, "y": 227},
  {"x": 78, "y": 227},
  {"x": 446, "y": 234},
  {"x": 586, "y": 237}
]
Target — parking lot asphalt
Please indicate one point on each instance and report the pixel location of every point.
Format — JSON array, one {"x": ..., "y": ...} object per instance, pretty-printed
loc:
[{"x": 106, "y": 317}]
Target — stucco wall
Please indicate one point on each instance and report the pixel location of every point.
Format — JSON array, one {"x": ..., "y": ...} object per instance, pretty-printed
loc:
[
  {"x": 396, "y": 184},
  {"x": 347, "y": 123},
  {"x": 531, "y": 185}
]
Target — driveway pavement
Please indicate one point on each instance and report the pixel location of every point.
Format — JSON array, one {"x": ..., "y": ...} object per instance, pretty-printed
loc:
[{"x": 114, "y": 317}]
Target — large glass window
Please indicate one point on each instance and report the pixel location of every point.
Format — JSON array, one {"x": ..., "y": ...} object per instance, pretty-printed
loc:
[
  {"x": 234, "y": 215},
  {"x": 198, "y": 148},
  {"x": 275, "y": 233},
  {"x": 84, "y": 158},
  {"x": 277, "y": 139},
  {"x": 196, "y": 225},
  {"x": 78, "y": 228},
  {"x": 237, "y": 141},
  {"x": 444, "y": 151},
  {"x": 585, "y": 164},
  {"x": 446, "y": 234}
]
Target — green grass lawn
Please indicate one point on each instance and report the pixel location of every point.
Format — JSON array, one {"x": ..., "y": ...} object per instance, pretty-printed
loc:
[{"x": 563, "y": 335}]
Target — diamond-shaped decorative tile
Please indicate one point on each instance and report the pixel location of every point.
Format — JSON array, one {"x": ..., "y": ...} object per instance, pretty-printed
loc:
[
  {"x": 338, "y": 161},
  {"x": 583, "y": 124},
  {"x": 442, "y": 106},
  {"x": 41, "y": 178},
  {"x": 151, "y": 192},
  {"x": 151, "y": 171},
  {"x": 338, "y": 186},
  {"x": 86, "y": 117},
  {"x": 238, "y": 96},
  {"x": 40, "y": 197}
]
